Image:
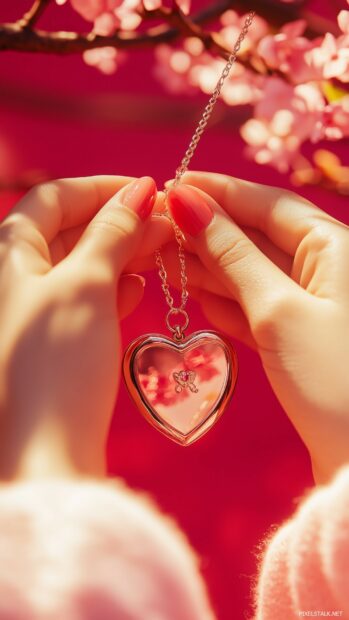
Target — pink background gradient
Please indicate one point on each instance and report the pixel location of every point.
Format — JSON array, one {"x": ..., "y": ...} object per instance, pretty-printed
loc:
[{"x": 226, "y": 490}]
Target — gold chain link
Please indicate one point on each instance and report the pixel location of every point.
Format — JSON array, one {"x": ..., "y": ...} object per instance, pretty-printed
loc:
[
  {"x": 182, "y": 168},
  {"x": 163, "y": 274}
]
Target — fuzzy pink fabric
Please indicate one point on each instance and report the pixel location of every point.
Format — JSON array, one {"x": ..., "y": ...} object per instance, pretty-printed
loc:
[
  {"x": 305, "y": 567},
  {"x": 85, "y": 550},
  {"x": 93, "y": 551}
]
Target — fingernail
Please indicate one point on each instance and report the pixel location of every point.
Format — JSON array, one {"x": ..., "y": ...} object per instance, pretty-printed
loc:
[
  {"x": 135, "y": 276},
  {"x": 141, "y": 279},
  {"x": 189, "y": 209},
  {"x": 140, "y": 196}
]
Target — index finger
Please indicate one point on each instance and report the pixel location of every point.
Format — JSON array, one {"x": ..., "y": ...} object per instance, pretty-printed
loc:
[
  {"x": 280, "y": 214},
  {"x": 64, "y": 203}
]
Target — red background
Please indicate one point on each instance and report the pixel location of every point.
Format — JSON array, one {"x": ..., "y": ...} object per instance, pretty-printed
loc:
[{"x": 226, "y": 490}]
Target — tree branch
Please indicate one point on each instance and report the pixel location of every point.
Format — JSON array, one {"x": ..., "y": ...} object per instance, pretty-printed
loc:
[
  {"x": 30, "y": 18},
  {"x": 21, "y": 37}
]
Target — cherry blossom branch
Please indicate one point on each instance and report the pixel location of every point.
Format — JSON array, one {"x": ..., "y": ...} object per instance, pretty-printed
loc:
[
  {"x": 20, "y": 36},
  {"x": 328, "y": 119},
  {"x": 30, "y": 18}
]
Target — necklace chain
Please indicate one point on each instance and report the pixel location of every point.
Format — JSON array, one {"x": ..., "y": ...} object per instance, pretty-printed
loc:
[{"x": 178, "y": 330}]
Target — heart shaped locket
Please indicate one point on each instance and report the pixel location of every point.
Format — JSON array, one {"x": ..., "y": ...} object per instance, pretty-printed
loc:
[{"x": 181, "y": 387}]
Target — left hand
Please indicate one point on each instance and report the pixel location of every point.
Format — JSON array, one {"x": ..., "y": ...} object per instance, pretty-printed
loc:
[{"x": 63, "y": 250}]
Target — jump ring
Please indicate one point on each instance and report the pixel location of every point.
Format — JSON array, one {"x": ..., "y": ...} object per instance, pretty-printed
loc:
[{"x": 175, "y": 329}]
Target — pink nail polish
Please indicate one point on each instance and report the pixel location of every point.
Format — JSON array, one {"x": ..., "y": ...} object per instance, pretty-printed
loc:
[
  {"x": 140, "y": 196},
  {"x": 189, "y": 209}
]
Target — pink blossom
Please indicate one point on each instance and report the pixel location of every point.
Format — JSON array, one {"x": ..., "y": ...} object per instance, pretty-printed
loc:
[
  {"x": 288, "y": 52},
  {"x": 303, "y": 60},
  {"x": 334, "y": 124},
  {"x": 150, "y": 5},
  {"x": 343, "y": 21},
  {"x": 190, "y": 67},
  {"x": 240, "y": 88},
  {"x": 103, "y": 58},
  {"x": 285, "y": 117},
  {"x": 330, "y": 57},
  {"x": 105, "y": 24},
  {"x": 171, "y": 69},
  {"x": 108, "y": 15},
  {"x": 186, "y": 69},
  {"x": 128, "y": 14},
  {"x": 91, "y": 9},
  {"x": 232, "y": 24},
  {"x": 338, "y": 64},
  {"x": 184, "y": 5}
]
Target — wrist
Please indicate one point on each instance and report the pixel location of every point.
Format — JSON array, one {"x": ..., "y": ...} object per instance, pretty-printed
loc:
[{"x": 49, "y": 451}]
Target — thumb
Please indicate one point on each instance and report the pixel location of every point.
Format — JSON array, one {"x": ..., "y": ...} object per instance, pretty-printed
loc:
[
  {"x": 112, "y": 236},
  {"x": 252, "y": 279}
]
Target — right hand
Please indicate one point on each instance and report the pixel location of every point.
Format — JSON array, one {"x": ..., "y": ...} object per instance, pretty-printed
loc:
[{"x": 271, "y": 269}]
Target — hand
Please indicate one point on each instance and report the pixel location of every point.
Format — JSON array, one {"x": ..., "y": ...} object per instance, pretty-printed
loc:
[
  {"x": 271, "y": 269},
  {"x": 63, "y": 249}
]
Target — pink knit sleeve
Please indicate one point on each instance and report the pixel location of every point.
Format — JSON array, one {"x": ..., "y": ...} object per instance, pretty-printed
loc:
[
  {"x": 305, "y": 567},
  {"x": 85, "y": 549}
]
